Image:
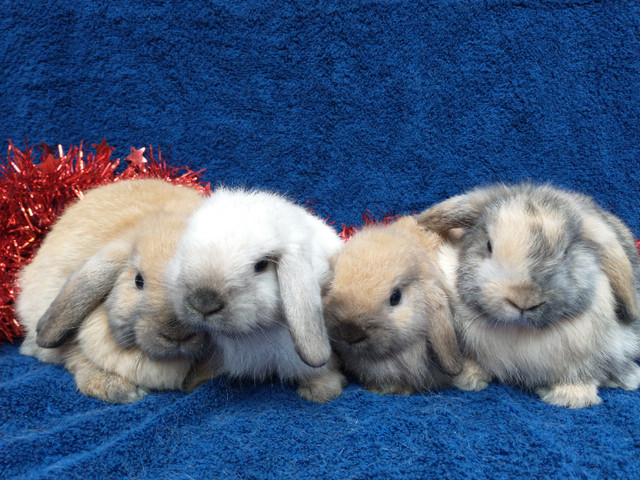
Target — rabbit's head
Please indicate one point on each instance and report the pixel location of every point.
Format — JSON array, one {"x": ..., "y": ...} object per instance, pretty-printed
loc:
[
  {"x": 530, "y": 255},
  {"x": 388, "y": 293},
  {"x": 250, "y": 261},
  {"x": 127, "y": 276}
]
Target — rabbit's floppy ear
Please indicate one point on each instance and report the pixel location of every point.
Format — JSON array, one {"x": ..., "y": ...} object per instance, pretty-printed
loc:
[
  {"x": 302, "y": 304},
  {"x": 615, "y": 264},
  {"x": 85, "y": 289},
  {"x": 442, "y": 335},
  {"x": 459, "y": 211}
]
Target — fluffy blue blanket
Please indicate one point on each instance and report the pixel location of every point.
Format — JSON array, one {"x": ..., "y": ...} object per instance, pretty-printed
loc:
[{"x": 381, "y": 105}]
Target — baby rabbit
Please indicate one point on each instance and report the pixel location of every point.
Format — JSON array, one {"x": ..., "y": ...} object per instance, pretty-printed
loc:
[
  {"x": 250, "y": 269},
  {"x": 94, "y": 296},
  {"x": 388, "y": 310},
  {"x": 548, "y": 286}
]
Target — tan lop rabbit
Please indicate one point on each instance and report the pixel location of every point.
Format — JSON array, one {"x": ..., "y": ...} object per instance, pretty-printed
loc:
[
  {"x": 548, "y": 288},
  {"x": 94, "y": 297},
  {"x": 388, "y": 310}
]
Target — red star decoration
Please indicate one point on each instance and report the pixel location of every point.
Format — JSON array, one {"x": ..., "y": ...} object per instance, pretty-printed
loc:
[
  {"x": 103, "y": 148},
  {"x": 136, "y": 158},
  {"x": 47, "y": 149},
  {"x": 49, "y": 164}
]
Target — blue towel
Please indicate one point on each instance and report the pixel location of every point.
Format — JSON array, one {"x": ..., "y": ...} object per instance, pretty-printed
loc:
[{"x": 382, "y": 105}]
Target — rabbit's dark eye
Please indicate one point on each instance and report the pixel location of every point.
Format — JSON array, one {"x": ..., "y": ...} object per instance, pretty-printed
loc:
[
  {"x": 489, "y": 247},
  {"x": 395, "y": 297},
  {"x": 261, "y": 266},
  {"x": 139, "y": 282}
]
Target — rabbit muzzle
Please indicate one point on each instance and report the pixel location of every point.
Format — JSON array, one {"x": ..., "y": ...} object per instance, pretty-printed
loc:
[
  {"x": 205, "y": 301},
  {"x": 205, "y": 308},
  {"x": 163, "y": 341},
  {"x": 352, "y": 334}
]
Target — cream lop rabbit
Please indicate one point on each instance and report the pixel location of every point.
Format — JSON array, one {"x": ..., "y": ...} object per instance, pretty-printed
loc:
[{"x": 94, "y": 296}]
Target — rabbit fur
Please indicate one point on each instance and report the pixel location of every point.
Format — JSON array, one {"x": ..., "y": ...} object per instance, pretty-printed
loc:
[
  {"x": 94, "y": 299},
  {"x": 547, "y": 285},
  {"x": 250, "y": 269},
  {"x": 388, "y": 310}
]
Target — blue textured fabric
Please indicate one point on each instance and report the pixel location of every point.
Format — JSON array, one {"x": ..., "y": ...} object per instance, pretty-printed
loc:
[{"x": 384, "y": 105}]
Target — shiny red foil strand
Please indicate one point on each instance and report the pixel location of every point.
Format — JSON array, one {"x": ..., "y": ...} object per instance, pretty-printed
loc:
[
  {"x": 36, "y": 184},
  {"x": 368, "y": 218}
]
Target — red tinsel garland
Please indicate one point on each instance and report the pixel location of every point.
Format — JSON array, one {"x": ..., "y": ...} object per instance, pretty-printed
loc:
[
  {"x": 33, "y": 194},
  {"x": 367, "y": 219}
]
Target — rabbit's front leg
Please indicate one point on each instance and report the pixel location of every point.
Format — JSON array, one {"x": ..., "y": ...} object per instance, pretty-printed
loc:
[
  {"x": 95, "y": 382},
  {"x": 326, "y": 385},
  {"x": 574, "y": 395}
]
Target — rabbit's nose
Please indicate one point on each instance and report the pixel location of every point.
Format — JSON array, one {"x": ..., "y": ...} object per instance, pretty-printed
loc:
[
  {"x": 205, "y": 301},
  {"x": 177, "y": 337},
  {"x": 524, "y": 297},
  {"x": 352, "y": 334},
  {"x": 524, "y": 306},
  {"x": 524, "y": 300}
]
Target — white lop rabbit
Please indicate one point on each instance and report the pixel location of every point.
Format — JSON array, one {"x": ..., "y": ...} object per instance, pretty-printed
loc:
[
  {"x": 94, "y": 296},
  {"x": 250, "y": 268},
  {"x": 548, "y": 285}
]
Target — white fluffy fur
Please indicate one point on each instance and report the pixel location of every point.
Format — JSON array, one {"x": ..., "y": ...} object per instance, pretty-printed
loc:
[
  {"x": 225, "y": 238},
  {"x": 263, "y": 353}
]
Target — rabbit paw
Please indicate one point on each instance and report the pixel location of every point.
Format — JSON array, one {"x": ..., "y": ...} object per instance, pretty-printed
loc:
[
  {"x": 472, "y": 378},
  {"x": 577, "y": 395},
  {"x": 323, "y": 387},
  {"x": 108, "y": 387}
]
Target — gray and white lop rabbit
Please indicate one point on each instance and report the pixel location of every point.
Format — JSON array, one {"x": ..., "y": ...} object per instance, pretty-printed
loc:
[{"x": 548, "y": 291}]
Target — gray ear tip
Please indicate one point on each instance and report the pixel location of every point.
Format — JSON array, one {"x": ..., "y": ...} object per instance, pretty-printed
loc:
[
  {"x": 455, "y": 368},
  {"x": 316, "y": 359},
  {"x": 48, "y": 337},
  {"x": 45, "y": 342}
]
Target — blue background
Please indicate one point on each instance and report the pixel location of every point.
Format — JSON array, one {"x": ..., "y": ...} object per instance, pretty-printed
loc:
[{"x": 382, "y": 105}]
